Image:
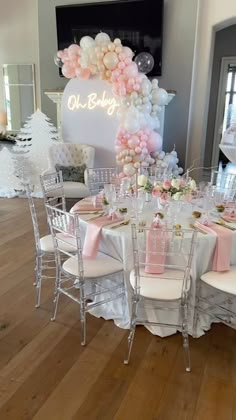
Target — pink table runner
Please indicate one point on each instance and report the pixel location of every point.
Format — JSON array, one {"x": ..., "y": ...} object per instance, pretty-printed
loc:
[
  {"x": 93, "y": 233},
  {"x": 224, "y": 240}
]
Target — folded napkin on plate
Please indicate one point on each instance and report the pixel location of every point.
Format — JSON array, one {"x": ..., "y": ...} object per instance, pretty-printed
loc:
[
  {"x": 224, "y": 239},
  {"x": 88, "y": 204},
  {"x": 93, "y": 233},
  {"x": 156, "y": 247},
  {"x": 229, "y": 215}
]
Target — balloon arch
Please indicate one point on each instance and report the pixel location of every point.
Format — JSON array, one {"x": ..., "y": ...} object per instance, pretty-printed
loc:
[{"x": 137, "y": 143}]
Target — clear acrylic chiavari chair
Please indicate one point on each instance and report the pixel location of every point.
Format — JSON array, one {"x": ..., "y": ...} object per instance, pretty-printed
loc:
[
  {"x": 81, "y": 279},
  {"x": 223, "y": 184},
  {"x": 168, "y": 252},
  {"x": 44, "y": 250},
  {"x": 96, "y": 178},
  {"x": 53, "y": 189}
]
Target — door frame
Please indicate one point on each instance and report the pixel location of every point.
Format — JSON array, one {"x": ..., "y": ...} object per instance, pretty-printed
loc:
[{"x": 225, "y": 61}]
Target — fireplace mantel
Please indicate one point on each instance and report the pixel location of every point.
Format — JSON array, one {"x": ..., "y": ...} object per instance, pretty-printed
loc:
[{"x": 56, "y": 96}]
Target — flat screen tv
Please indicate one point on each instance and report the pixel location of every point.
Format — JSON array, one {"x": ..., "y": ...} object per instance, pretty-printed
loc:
[{"x": 138, "y": 23}]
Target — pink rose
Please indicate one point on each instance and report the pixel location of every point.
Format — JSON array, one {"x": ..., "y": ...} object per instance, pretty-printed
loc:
[
  {"x": 183, "y": 183},
  {"x": 166, "y": 185},
  {"x": 156, "y": 192}
]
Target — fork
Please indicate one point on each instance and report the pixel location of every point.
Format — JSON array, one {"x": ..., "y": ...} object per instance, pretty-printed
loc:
[{"x": 126, "y": 222}]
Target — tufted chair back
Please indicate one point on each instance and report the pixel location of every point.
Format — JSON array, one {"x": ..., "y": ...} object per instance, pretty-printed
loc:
[{"x": 68, "y": 154}]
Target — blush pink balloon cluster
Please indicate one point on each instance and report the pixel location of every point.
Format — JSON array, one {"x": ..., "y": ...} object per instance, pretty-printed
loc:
[
  {"x": 141, "y": 100},
  {"x": 134, "y": 150}
]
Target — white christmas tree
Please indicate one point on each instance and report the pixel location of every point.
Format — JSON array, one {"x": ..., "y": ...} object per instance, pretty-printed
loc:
[
  {"x": 9, "y": 184},
  {"x": 41, "y": 134}
]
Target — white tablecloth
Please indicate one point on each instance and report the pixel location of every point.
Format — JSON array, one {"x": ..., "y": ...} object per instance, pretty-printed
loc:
[{"x": 118, "y": 244}]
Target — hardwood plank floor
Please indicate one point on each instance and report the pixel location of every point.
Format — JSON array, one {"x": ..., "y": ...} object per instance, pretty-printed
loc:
[{"x": 46, "y": 375}]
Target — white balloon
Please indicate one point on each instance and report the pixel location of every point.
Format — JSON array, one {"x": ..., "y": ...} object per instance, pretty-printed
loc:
[
  {"x": 159, "y": 97},
  {"x": 181, "y": 171},
  {"x": 129, "y": 169},
  {"x": 134, "y": 96},
  {"x": 155, "y": 83},
  {"x": 86, "y": 42},
  {"x": 170, "y": 160},
  {"x": 146, "y": 107},
  {"x": 102, "y": 38},
  {"x": 161, "y": 155},
  {"x": 131, "y": 125},
  {"x": 146, "y": 87}
]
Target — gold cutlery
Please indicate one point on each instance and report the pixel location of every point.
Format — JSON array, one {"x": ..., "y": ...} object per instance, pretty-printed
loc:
[
  {"x": 198, "y": 229},
  {"x": 222, "y": 223},
  {"x": 95, "y": 217},
  {"x": 124, "y": 223}
]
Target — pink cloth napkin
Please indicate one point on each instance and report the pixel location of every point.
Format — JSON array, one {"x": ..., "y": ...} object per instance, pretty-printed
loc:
[
  {"x": 156, "y": 247},
  {"x": 93, "y": 233},
  {"x": 224, "y": 240},
  {"x": 88, "y": 204}
]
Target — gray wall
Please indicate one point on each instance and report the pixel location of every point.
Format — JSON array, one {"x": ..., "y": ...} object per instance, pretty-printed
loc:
[
  {"x": 178, "y": 46},
  {"x": 224, "y": 46}
]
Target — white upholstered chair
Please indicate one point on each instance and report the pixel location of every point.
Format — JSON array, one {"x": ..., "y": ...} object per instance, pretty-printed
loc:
[{"x": 70, "y": 154}]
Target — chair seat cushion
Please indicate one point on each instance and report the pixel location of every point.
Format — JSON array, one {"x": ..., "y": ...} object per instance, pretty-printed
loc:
[
  {"x": 46, "y": 243},
  {"x": 75, "y": 189},
  {"x": 153, "y": 286},
  {"x": 103, "y": 265},
  {"x": 224, "y": 281}
]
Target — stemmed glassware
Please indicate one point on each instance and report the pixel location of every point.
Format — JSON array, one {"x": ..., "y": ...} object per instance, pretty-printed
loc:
[{"x": 110, "y": 196}]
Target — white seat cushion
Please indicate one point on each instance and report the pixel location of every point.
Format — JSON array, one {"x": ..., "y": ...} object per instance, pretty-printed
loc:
[
  {"x": 46, "y": 243},
  {"x": 224, "y": 281},
  {"x": 103, "y": 265},
  {"x": 75, "y": 189},
  {"x": 153, "y": 286}
]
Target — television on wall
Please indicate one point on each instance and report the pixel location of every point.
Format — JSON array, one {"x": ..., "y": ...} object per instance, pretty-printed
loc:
[{"x": 138, "y": 23}]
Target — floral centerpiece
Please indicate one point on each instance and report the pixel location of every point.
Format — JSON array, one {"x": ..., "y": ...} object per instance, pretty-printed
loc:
[{"x": 176, "y": 188}]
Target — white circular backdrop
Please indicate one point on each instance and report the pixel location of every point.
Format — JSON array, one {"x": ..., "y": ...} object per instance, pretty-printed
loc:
[{"x": 89, "y": 117}]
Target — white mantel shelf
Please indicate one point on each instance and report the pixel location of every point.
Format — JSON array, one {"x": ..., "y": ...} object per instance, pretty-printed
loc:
[{"x": 56, "y": 95}]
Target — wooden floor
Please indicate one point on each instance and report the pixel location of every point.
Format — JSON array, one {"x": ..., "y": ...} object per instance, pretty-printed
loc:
[{"x": 46, "y": 375}]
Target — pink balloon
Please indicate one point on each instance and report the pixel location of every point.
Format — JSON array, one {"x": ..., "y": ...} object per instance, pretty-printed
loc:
[
  {"x": 122, "y": 90},
  {"x": 128, "y": 60},
  {"x": 143, "y": 144},
  {"x": 128, "y": 52},
  {"x": 121, "y": 175},
  {"x": 121, "y": 65},
  {"x": 73, "y": 49},
  {"x": 131, "y": 70},
  {"x": 60, "y": 54},
  {"x": 68, "y": 71},
  {"x": 154, "y": 143},
  {"x": 116, "y": 73},
  {"x": 137, "y": 150},
  {"x": 122, "y": 56},
  {"x": 84, "y": 74}
]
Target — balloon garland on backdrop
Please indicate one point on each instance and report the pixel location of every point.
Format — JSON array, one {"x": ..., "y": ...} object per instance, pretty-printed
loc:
[{"x": 137, "y": 142}]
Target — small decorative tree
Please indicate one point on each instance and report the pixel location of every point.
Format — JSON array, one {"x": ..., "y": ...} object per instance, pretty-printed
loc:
[{"x": 31, "y": 150}]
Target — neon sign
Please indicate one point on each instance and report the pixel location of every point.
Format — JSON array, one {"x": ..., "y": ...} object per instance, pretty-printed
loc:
[{"x": 93, "y": 101}]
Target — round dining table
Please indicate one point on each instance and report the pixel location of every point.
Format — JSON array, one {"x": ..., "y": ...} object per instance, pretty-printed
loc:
[{"x": 116, "y": 241}]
